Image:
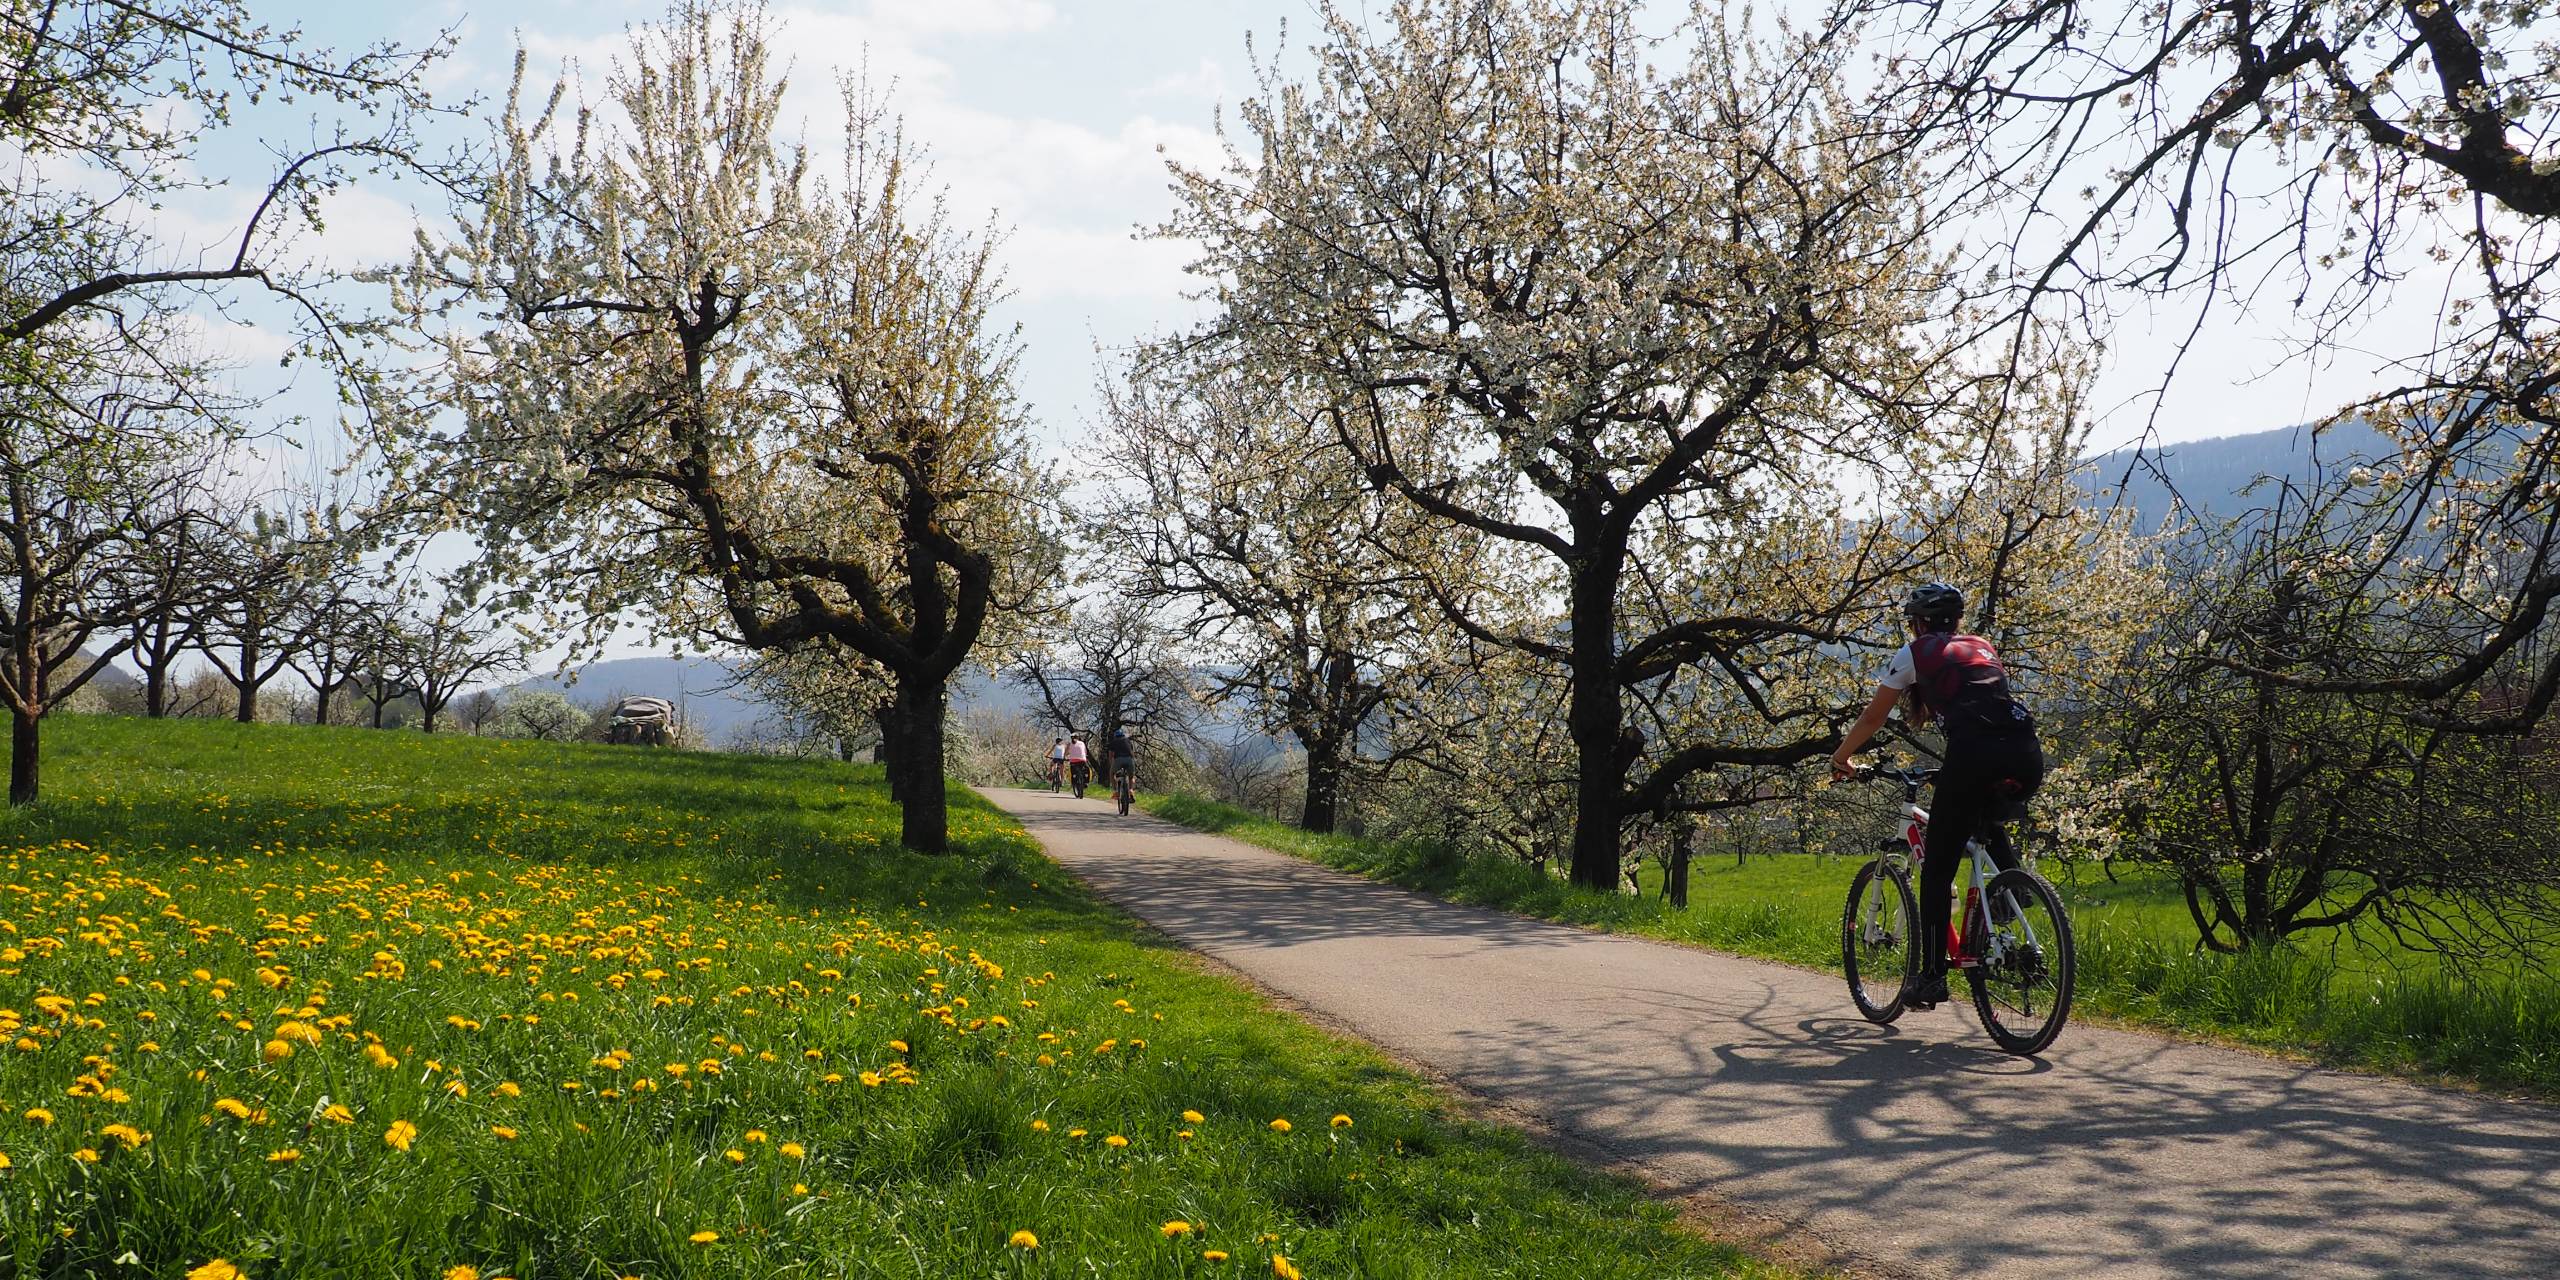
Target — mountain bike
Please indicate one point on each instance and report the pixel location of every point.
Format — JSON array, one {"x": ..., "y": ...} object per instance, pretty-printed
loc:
[
  {"x": 2012, "y": 940},
  {"x": 1079, "y": 776},
  {"x": 1057, "y": 776},
  {"x": 1124, "y": 785}
]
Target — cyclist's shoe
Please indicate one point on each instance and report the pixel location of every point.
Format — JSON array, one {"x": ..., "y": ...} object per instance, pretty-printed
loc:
[{"x": 1928, "y": 992}]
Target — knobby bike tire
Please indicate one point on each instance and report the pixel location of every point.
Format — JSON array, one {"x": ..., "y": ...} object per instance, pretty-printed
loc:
[
  {"x": 2024, "y": 996},
  {"x": 1882, "y": 967}
]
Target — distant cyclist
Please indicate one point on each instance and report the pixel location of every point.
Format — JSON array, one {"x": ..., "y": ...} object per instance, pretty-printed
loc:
[
  {"x": 1057, "y": 763},
  {"x": 1993, "y": 760},
  {"x": 1079, "y": 763},
  {"x": 1123, "y": 752}
]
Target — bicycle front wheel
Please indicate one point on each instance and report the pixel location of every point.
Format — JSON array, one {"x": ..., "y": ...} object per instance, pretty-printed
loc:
[
  {"x": 1124, "y": 802},
  {"x": 1877, "y": 934},
  {"x": 2022, "y": 987}
]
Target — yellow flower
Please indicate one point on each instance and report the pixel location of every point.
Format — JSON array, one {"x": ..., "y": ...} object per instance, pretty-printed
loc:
[
  {"x": 86, "y": 1155},
  {"x": 1280, "y": 1126},
  {"x": 1177, "y": 1227},
  {"x": 1282, "y": 1268},
  {"x": 218, "y": 1269},
  {"x": 503, "y": 1132},
  {"x": 1342, "y": 1122},
  {"x": 734, "y": 1156},
  {"x": 275, "y": 1051},
  {"x": 126, "y": 1134},
  {"x": 4, "y": 1160},
  {"x": 1193, "y": 1117},
  {"x": 1115, "y": 1140},
  {"x": 462, "y": 1271},
  {"x": 380, "y": 1057},
  {"x": 1039, "y": 1126},
  {"x": 799, "y": 1188},
  {"x": 39, "y": 1116},
  {"x": 704, "y": 1237},
  {"x": 1075, "y": 1133},
  {"x": 400, "y": 1134},
  {"x": 336, "y": 1114},
  {"x": 232, "y": 1107},
  {"x": 457, "y": 1088},
  {"x": 1023, "y": 1240},
  {"x": 509, "y": 1089},
  {"x": 286, "y": 1155},
  {"x": 756, "y": 1135},
  {"x": 1186, "y": 1135},
  {"x": 792, "y": 1150},
  {"x": 1213, "y": 1255}
]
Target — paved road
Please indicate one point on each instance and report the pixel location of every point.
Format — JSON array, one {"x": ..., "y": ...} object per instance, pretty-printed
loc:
[{"x": 1919, "y": 1146}]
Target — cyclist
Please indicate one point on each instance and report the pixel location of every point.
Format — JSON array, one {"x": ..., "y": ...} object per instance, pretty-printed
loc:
[
  {"x": 1123, "y": 753},
  {"x": 1079, "y": 763},
  {"x": 1992, "y": 762},
  {"x": 1057, "y": 763}
]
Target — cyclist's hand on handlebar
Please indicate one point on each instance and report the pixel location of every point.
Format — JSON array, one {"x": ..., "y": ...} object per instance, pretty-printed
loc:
[{"x": 1842, "y": 767}]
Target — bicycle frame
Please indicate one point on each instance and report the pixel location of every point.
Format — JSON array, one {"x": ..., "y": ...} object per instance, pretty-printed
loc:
[{"x": 1966, "y": 929}]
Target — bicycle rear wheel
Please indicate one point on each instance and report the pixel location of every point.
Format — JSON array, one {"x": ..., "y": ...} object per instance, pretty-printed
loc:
[
  {"x": 1124, "y": 799},
  {"x": 1876, "y": 936},
  {"x": 2022, "y": 987}
]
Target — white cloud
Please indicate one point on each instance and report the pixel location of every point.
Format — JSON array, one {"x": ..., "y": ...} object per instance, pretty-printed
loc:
[{"x": 963, "y": 17}]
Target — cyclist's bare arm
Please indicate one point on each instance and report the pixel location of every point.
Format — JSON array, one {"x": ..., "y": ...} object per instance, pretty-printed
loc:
[{"x": 1869, "y": 721}]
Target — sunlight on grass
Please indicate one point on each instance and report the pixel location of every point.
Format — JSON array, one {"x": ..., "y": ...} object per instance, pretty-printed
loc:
[{"x": 310, "y": 1002}]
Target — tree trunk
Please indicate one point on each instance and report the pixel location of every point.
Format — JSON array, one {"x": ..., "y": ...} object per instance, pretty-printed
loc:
[
  {"x": 1676, "y": 877},
  {"x": 1321, "y": 809},
  {"x": 915, "y": 765},
  {"x": 1593, "y": 718},
  {"x": 155, "y": 691},
  {"x": 249, "y": 681},
  {"x": 23, "y": 742}
]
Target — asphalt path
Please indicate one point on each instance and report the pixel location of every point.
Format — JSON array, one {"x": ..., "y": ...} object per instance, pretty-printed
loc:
[{"x": 1920, "y": 1147}]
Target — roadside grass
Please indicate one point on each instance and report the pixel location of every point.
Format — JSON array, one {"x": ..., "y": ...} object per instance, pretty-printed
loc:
[
  {"x": 316, "y": 1002},
  {"x": 2358, "y": 1000}
]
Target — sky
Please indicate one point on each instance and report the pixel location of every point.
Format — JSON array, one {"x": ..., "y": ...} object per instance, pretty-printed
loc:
[{"x": 1053, "y": 119}]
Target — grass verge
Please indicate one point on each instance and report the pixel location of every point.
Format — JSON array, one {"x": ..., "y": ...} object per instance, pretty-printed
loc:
[
  {"x": 305, "y": 1002},
  {"x": 2363, "y": 1003}
]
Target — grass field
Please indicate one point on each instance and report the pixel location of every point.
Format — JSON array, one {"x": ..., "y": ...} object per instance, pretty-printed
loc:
[
  {"x": 296, "y": 1002},
  {"x": 2361, "y": 1002}
]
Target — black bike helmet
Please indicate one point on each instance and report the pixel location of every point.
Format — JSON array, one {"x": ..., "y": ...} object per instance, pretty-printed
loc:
[{"x": 1935, "y": 603}]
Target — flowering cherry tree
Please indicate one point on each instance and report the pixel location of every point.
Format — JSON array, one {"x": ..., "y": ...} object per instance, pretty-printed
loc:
[
  {"x": 694, "y": 378},
  {"x": 1609, "y": 299}
]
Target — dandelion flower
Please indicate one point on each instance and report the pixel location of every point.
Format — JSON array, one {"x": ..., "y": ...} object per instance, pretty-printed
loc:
[
  {"x": 503, "y": 1132},
  {"x": 1177, "y": 1227},
  {"x": 792, "y": 1150},
  {"x": 400, "y": 1134},
  {"x": 1023, "y": 1240},
  {"x": 734, "y": 1156},
  {"x": 1341, "y": 1122},
  {"x": 286, "y": 1155},
  {"x": 86, "y": 1155},
  {"x": 704, "y": 1237},
  {"x": 1039, "y": 1126},
  {"x": 1193, "y": 1117},
  {"x": 275, "y": 1051},
  {"x": 1115, "y": 1140},
  {"x": 756, "y": 1135},
  {"x": 218, "y": 1269},
  {"x": 38, "y": 1116},
  {"x": 509, "y": 1089},
  {"x": 1280, "y": 1126},
  {"x": 4, "y": 1160},
  {"x": 336, "y": 1114},
  {"x": 901, "y": 1046},
  {"x": 1213, "y": 1255},
  {"x": 126, "y": 1134},
  {"x": 1284, "y": 1269},
  {"x": 232, "y": 1107}
]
